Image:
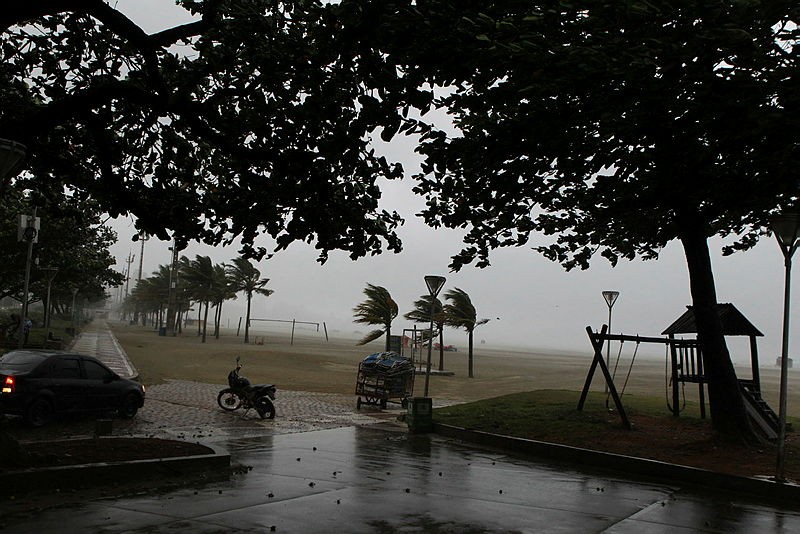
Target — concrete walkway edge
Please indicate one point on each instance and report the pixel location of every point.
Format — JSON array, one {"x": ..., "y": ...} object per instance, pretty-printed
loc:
[{"x": 761, "y": 488}]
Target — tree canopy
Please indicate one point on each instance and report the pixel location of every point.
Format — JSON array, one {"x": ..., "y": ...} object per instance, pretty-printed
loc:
[
  {"x": 250, "y": 100},
  {"x": 613, "y": 127},
  {"x": 71, "y": 238}
]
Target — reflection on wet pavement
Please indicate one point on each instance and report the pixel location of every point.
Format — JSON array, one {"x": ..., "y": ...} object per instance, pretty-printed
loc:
[{"x": 370, "y": 480}]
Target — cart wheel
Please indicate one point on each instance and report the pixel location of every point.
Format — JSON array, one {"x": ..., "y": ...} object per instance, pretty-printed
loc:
[
  {"x": 358, "y": 404},
  {"x": 383, "y": 404},
  {"x": 404, "y": 403}
]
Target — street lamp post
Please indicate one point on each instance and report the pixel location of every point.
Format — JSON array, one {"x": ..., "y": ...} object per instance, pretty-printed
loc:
[
  {"x": 610, "y": 297},
  {"x": 786, "y": 228},
  {"x": 434, "y": 284},
  {"x": 28, "y": 232}
]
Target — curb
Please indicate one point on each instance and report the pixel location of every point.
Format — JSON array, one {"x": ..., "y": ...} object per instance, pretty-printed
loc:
[
  {"x": 68, "y": 477},
  {"x": 763, "y": 489}
]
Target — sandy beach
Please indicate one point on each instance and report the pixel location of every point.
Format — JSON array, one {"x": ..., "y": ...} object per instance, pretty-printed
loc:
[{"x": 312, "y": 363}]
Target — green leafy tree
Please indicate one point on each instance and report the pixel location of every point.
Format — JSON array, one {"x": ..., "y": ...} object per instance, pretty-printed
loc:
[
  {"x": 378, "y": 309},
  {"x": 245, "y": 277},
  {"x": 612, "y": 127},
  {"x": 71, "y": 238},
  {"x": 422, "y": 314},
  {"x": 250, "y": 100}
]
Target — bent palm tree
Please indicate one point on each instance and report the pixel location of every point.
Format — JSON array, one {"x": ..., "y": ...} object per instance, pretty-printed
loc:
[
  {"x": 460, "y": 313},
  {"x": 378, "y": 309},
  {"x": 422, "y": 314},
  {"x": 199, "y": 276},
  {"x": 247, "y": 278}
]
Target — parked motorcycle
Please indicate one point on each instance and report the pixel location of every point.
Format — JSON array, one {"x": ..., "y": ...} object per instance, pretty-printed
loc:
[{"x": 241, "y": 394}]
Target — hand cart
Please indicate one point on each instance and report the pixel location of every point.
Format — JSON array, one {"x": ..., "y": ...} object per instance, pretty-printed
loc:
[{"x": 383, "y": 376}]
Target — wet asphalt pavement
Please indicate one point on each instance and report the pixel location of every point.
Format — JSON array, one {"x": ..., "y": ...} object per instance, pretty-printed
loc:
[
  {"x": 320, "y": 467},
  {"x": 369, "y": 480}
]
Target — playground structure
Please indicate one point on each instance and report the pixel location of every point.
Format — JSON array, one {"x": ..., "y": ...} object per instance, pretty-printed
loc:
[
  {"x": 686, "y": 366},
  {"x": 414, "y": 340}
]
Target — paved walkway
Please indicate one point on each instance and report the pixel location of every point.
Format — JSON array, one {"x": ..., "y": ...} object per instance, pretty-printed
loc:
[
  {"x": 186, "y": 409},
  {"x": 363, "y": 480},
  {"x": 320, "y": 467},
  {"x": 98, "y": 341}
]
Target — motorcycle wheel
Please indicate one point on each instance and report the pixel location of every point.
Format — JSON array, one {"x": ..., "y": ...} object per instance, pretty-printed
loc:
[
  {"x": 265, "y": 408},
  {"x": 229, "y": 400}
]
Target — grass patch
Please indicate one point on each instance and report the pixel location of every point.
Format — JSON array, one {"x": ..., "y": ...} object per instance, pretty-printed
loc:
[
  {"x": 548, "y": 413},
  {"x": 552, "y": 416}
]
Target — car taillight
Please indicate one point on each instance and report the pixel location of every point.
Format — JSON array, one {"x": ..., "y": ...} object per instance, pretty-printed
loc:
[{"x": 8, "y": 385}]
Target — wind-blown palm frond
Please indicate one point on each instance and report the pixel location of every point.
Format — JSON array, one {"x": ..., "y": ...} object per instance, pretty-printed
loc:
[
  {"x": 460, "y": 313},
  {"x": 244, "y": 276},
  {"x": 378, "y": 309}
]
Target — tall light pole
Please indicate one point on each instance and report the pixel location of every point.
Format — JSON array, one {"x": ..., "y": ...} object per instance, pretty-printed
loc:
[
  {"x": 435, "y": 284},
  {"x": 28, "y": 231},
  {"x": 172, "y": 296},
  {"x": 786, "y": 228},
  {"x": 610, "y": 297}
]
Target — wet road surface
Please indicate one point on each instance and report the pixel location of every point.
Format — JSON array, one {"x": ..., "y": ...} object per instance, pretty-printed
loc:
[{"x": 372, "y": 480}]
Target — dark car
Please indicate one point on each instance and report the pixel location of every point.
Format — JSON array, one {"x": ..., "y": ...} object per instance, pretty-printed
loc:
[{"x": 40, "y": 384}]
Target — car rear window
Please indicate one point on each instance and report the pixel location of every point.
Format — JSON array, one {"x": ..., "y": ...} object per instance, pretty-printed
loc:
[{"x": 21, "y": 361}]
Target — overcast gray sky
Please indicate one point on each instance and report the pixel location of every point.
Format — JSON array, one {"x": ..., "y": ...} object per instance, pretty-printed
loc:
[{"x": 531, "y": 302}]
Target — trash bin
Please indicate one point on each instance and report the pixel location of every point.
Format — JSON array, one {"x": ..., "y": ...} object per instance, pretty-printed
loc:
[
  {"x": 162, "y": 331},
  {"x": 420, "y": 414}
]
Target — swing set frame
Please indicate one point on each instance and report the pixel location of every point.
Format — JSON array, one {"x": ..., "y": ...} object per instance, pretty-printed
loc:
[{"x": 598, "y": 339}]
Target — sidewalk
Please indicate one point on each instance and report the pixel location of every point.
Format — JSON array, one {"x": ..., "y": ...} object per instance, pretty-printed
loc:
[
  {"x": 320, "y": 466},
  {"x": 97, "y": 340}
]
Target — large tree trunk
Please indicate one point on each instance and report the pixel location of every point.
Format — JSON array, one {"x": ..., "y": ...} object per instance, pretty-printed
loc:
[{"x": 728, "y": 414}]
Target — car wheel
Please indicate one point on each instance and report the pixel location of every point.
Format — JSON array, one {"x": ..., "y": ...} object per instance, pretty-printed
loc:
[
  {"x": 130, "y": 405},
  {"x": 39, "y": 412}
]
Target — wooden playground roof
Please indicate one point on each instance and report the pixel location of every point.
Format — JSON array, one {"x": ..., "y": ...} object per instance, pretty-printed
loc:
[{"x": 733, "y": 323}]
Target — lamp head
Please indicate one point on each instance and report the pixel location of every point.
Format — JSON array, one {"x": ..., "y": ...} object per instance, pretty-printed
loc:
[
  {"x": 610, "y": 297},
  {"x": 786, "y": 227},
  {"x": 435, "y": 284}
]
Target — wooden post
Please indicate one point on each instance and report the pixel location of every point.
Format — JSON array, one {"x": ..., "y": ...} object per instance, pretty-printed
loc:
[
  {"x": 754, "y": 363},
  {"x": 597, "y": 345}
]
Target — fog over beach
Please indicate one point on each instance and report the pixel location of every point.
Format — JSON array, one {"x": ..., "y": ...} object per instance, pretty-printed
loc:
[{"x": 532, "y": 303}]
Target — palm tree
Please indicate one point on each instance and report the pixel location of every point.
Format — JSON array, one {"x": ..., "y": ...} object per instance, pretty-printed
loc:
[
  {"x": 222, "y": 290},
  {"x": 245, "y": 277},
  {"x": 378, "y": 309},
  {"x": 460, "y": 313},
  {"x": 422, "y": 314},
  {"x": 199, "y": 276}
]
